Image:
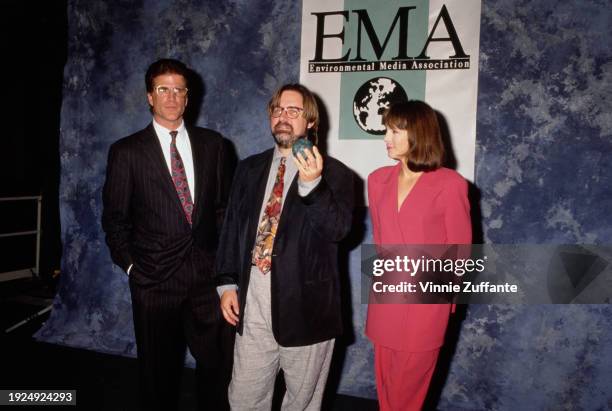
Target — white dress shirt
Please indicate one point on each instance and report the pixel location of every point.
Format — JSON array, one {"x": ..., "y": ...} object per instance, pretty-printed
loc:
[{"x": 183, "y": 145}]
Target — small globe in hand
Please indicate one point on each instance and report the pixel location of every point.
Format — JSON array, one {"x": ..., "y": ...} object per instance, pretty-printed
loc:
[{"x": 300, "y": 145}]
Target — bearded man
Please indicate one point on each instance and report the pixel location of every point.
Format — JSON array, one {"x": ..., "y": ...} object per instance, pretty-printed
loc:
[{"x": 277, "y": 263}]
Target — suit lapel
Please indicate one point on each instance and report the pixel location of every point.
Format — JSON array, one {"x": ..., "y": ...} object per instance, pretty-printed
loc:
[
  {"x": 157, "y": 163},
  {"x": 201, "y": 170},
  {"x": 389, "y": 186}
]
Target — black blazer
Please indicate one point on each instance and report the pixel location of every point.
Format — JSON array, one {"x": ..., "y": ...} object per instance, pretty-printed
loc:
[
  {"x": 305, "y": 282},
  {"x": 143, "y": 218}
]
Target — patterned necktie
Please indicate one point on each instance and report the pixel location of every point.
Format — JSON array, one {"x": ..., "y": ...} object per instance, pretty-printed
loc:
[
  {"x": 180, "y": 178},
  {"x": 262, "y": 253}
]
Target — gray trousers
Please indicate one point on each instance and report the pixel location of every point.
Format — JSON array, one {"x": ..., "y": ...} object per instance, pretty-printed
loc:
[{"x": 258, "y": 357}]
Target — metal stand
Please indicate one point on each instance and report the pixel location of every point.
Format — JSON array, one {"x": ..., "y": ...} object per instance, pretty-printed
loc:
[{"x": 31, "y": 271}]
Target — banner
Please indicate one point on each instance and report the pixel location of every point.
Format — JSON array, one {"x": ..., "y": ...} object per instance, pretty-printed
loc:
[{"x": 359, "y": 56}]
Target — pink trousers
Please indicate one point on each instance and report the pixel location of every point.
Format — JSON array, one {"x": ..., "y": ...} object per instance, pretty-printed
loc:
[{"x": 403, "y": 377}]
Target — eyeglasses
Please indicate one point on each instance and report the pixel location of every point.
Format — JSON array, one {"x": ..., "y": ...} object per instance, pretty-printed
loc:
[
  {"x": 292, "y": 112},
  {"x": 165, "y": 91}
]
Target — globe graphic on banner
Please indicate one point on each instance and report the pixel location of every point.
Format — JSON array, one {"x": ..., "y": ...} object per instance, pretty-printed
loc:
[{"x": 371, "y": 101}]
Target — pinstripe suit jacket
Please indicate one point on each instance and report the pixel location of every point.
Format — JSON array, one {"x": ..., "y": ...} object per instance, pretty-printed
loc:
[{"x": 143, "y": 218}]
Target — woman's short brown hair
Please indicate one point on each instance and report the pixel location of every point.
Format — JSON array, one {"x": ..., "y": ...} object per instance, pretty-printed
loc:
[
  {"x": 311, "y": 109},
  {"x": 425, "y": 148}
]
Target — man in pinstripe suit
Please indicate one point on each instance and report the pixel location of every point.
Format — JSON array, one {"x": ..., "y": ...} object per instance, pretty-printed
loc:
[{"x": 164, "y": 199}]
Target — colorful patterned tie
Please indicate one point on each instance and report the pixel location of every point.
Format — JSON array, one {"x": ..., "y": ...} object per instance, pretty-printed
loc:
[
  {"x": 262, "y": 253},
  {"x": 180, "y": 178}
]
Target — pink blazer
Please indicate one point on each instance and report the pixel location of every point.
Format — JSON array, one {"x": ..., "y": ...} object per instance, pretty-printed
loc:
[{"x": 436, "y": 211}]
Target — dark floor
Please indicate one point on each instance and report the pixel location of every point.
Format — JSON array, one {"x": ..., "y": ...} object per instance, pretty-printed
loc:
[{"x": 102, "y": 382}]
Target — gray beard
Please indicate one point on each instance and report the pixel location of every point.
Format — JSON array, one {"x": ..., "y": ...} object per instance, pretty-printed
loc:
[{"x": 285, "y": 140}]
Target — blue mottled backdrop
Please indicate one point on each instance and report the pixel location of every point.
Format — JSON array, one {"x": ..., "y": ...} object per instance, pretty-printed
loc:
[{"x": 543, "y": 174}]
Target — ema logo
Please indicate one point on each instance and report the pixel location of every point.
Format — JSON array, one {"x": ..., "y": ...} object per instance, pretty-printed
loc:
[
  {"x": 371, "y": 101},
  {"x": 390, "y": 54}
]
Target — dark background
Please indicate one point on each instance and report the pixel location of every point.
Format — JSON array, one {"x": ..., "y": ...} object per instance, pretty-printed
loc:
[{"x": 34, "y": 51}]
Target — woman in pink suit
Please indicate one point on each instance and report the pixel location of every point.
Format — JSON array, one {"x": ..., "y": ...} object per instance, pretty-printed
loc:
[{"x": 417, "y": 201}]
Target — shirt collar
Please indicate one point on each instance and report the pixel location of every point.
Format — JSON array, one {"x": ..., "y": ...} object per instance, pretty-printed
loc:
[
  {"x": 277, "y": 154},
  {"x": 163, "y": 131},
  {"x": 291, "y": 168}
]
